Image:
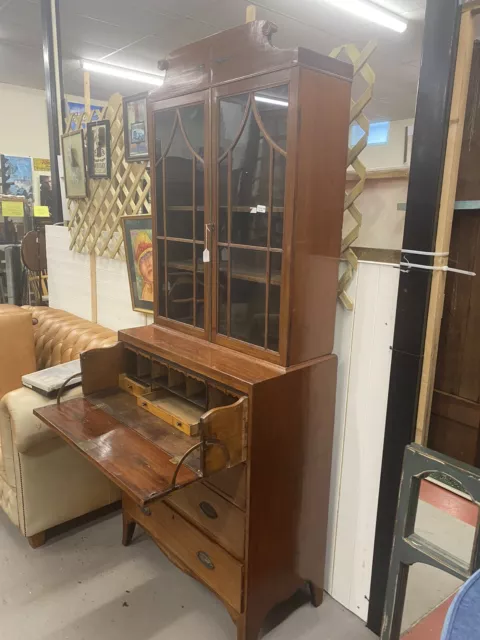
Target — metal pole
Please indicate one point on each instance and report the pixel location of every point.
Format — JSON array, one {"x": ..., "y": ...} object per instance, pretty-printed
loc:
[{"x": 52, "y": 61}]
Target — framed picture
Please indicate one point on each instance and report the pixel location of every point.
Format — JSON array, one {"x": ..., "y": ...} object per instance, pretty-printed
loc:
[
  {"x": 73, "y": 153},
  {"x": 98, "y": 149},
  {"x": 137, "y": 235},
  {"x": 17, "y": 177},
  {"x": 135, "y": 127}
]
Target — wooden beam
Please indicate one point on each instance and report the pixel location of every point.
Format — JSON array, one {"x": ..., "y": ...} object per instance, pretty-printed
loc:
[
  {"x": 383, "y": 174},
  {"x": 472, "y": 6},
  {"x": 93, "y": 258},
  {"x": 251, "y": 13},
  {"x": 86, "y": 91},
  {"x": 445, "y": 221}
]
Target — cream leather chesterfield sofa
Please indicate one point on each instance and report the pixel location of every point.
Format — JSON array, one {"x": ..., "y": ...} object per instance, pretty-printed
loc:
[{"x": 43, "y": 481}]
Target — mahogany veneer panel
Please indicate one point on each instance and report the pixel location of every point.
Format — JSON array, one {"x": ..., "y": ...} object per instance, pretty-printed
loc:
[
  {"x": 206, "y": 358},
  {"x": 137, "y": 465}
]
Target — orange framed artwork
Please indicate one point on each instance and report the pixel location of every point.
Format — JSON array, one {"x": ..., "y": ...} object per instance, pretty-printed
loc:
[{"x": 137, "y": 235}]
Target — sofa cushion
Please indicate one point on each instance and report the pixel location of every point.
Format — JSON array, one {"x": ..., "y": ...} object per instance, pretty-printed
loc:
[
  {"x": 17, "y": 349},
  {"x": 61, "y": 337}
]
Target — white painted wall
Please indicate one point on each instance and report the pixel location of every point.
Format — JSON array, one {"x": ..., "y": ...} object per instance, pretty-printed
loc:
[
  {"x": 382, "y": 224},
  {"x": 69, "y": 279},
  {"x": 114, "y": 306},
  {"x": 363, "y": 341},
  {"x": 68, "y": 274},
  {"x": 23, "y": 122},
  {"x": 390, "y": 155}
]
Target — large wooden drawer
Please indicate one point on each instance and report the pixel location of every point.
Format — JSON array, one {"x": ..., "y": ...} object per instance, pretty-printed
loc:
[
  {"x": 213, "y": 514},
  {"x": 195, "y": 552}
]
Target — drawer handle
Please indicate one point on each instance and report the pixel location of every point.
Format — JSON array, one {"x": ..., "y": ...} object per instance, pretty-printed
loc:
[
  {"x": 205, "y": 560},
  {"x": 209, "y": 510}
]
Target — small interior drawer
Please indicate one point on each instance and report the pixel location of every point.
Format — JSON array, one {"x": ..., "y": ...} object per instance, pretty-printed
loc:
[
  {"x": 192, "y": 549},
  {"x": 177, "y": 411},
  {"x": 213, "y": 514},
  {"x": 134, "y": 387}
]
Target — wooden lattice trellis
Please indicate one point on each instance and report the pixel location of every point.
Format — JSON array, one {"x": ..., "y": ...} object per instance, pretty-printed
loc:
[
  {"x": 95, "y": 221},
  {"x": 361, "y": 68}
]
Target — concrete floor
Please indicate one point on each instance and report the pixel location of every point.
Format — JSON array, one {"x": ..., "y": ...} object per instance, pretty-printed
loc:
[{"x": 84, "y": 585}]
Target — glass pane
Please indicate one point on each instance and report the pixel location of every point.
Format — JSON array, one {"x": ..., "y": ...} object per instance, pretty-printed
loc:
[
  {"x": 180, "y": 281},
  {"x": 159, "y": 198},
  {"x": 232, "y": 112},
  {"x": 272, "y": 106},
  {"x": 250, "y": 227},
  {"x": 161, "y": 277},
  {"x": 250, "y": 168},
  {"x": 164, "y": 121},
  {"x": 223, "y": 201},
  {"x": 274, "y": 301},
  {"x": 200, "y": 288},
  {"x": 278, "y": 199},
  {"x": 247, "y": 311},
  {"x": 199, "y": 201},
  {"x": 179, "y": 165},
  {"x": 222, "y": 293},
  {"x": 193, "y": 119}
]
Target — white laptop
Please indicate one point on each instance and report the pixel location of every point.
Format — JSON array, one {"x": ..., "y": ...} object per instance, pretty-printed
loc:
[{"x": 48, "y": 381}]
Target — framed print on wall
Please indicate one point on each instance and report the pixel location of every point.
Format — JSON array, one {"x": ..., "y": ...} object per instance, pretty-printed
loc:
[
  {"x": 135, "y": 127},
  {"x": 137, "y": 235},
  {"x": 73, "y": 153},
  {"x": 98, "y": 149}
]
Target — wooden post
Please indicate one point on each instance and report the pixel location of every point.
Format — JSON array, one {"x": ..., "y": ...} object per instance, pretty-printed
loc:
[
  {"x": 86, "y": 91},
  {"x": 251, "y": 13},
  {"x": 93, "y": 260},
  {"x": 445, "y": 221}
]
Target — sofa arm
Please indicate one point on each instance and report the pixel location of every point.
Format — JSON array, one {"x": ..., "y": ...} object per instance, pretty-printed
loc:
[{"x": 16, "y": 414}]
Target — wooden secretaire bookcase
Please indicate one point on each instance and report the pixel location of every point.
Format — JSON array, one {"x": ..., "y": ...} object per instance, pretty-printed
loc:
[{"x": 217, "y": 420}]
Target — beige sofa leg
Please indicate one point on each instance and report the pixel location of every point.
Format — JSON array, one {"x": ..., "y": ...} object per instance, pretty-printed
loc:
[{"x": 37, "y": 540}]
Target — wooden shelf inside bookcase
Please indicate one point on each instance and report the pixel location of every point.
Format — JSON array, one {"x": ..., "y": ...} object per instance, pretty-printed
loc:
[
  {"x": 136, "y": 450},
  {"x": 244, "y": 209},
  {"x": 251, "y": 274}
]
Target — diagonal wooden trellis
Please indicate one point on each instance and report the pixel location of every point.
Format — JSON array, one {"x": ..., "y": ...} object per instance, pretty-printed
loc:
[
  {"x": 361, "y": 67},
  {"x": 95, "y": 221}
]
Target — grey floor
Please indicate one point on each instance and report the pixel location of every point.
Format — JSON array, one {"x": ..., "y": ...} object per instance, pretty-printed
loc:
[{"x": 84, "y": 585}]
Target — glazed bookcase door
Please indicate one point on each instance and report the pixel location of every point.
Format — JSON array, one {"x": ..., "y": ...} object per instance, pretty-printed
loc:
[
  {"x": 181, "y": 212},
  {"x": 250, "y": 177}
]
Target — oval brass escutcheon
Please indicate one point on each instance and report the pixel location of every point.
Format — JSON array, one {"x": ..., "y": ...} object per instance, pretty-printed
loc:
[
  {"x": 205, "y": 560},
  {"x": 209, "y": 510}
]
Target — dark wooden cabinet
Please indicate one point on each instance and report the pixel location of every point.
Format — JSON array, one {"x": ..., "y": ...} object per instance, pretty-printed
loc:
[
  {"x": 249, "y": 175},
  {"x": 217, "y": 420}
]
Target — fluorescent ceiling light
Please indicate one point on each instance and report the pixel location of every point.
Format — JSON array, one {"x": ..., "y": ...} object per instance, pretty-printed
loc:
[
  {"x": 370, "y": 11},
  {"x": 121, "y": 72},
  {"x": 282, "y": 103}
]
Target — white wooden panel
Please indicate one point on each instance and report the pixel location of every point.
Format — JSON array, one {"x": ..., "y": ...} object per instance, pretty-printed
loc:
[
  {"x": 343, "y": 350},
  {"x": 68, "y": 274},
  {"x": 365, "y": 413},
  {"x": 114, "y": 303}
]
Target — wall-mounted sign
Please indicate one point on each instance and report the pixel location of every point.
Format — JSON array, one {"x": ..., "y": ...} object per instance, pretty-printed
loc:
[{"x": 41, "y": 164}]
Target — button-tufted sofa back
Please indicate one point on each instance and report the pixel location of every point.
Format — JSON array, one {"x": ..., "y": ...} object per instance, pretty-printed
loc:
[{"x": 60, "y": 336}]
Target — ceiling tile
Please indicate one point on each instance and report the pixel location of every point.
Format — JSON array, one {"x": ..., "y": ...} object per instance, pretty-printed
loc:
[
  {"x": 137, "y": 35},
  {"x": 21, "y": 65}
]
